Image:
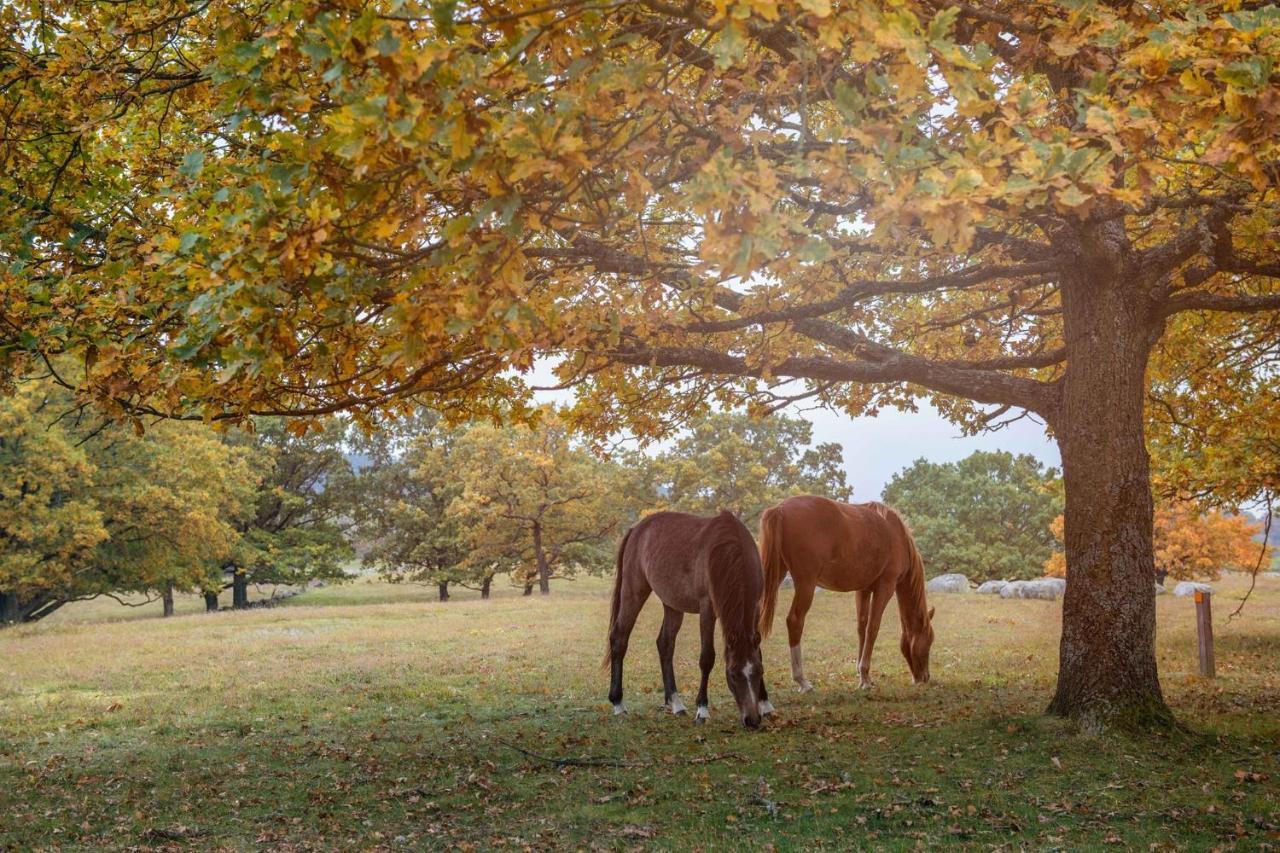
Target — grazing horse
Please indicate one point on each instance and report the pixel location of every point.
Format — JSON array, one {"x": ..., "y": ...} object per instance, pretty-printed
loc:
[
  {"x": 865, "y": 548},
  {"x": 708, "y": 566}
]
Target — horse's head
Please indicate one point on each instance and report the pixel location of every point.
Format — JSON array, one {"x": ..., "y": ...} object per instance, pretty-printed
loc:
[
  {"x": 916, "y": 643},
  {"x": 745, "y": 673}
]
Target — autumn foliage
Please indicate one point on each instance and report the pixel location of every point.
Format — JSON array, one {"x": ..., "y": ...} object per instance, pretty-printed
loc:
[
  {"x": 1191, "y": 544},
  {"x": 302, "y": 207}
]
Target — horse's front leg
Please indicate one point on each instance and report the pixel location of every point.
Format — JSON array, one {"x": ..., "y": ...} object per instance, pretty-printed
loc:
[
  {"x": 864, "y": 614},
  {"x": 671, "y": 620},
  {"x": 879, "y": 600},
  {"x": 766, "y": 707},
  {"x": 706, "y": 660}
]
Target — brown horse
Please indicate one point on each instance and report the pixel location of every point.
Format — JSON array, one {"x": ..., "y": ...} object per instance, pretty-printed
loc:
[
  {"x": 865, "y": 548},
  {"x": 708, "y": 566}
]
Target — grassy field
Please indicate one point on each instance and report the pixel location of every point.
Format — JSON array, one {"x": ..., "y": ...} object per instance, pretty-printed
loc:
[{"x": 370, "y": 716}]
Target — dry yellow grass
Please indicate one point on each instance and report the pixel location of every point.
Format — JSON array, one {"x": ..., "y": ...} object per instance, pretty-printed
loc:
[{"x": 367, "y": 713}]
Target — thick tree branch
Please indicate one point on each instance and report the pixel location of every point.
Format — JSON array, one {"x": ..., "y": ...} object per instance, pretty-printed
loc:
[
  {"x": 1240, "y": 303},
  {"x": 983, "y": 386}
]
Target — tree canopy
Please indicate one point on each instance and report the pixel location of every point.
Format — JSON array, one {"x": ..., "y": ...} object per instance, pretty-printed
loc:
[
  {"x": 986, "y": 516},
  {"x": 438, "y": 193},
  {"x": 402, "y": 512},
  {"x": 534, "y": 497},
  {"x": 88, "y": 508},
  {"x": 295, "y": 531},
  {"x": 745, "y": 465},
  {"x": 307, "y": 206}
]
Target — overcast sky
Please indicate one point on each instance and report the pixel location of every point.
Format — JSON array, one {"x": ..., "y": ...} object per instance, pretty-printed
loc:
[{"x": 877, "y": 448}]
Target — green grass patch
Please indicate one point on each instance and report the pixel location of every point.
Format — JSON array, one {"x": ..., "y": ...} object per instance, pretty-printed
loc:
[{"x": 370, "y": 716}]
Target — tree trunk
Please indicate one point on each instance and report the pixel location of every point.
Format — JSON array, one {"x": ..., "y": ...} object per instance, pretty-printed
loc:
[
  {"x": 166, "y": 596},
  {"x": 9, "y": 613},
  {"x": 443, "y": 587},
  {"x": 544, "y": 568},
  {"x": 240, "y": 590},
  {"x": 211, "y": 602},
  {"x": 484, "y": 588},
  {"x": 1107, "y": 664}
]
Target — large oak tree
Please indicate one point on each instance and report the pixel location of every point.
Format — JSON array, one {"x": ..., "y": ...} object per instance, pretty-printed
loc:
[{"x": 303, "y": 206}]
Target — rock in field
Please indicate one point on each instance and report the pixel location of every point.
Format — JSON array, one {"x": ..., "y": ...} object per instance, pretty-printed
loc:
[
  {"x": 992, "y": 587},
  {"x": 1186, "y": 588},
  {"x": 948, "y": 583},
  {"x": 1048, "y": 589}
]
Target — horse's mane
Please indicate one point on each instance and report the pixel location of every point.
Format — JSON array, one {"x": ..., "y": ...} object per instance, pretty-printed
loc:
[
  {"x": 728, "y": 574},
  {"x": 911, "y": 598}
]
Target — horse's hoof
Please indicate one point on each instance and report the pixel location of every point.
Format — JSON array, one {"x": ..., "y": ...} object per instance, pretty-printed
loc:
[
  {"x": 619, "y": 709},
  {"x": 701, "y": 715},
  {"x": 766, "y": 708},
  {"x": 677, "y": 705},
  {"x": 865, "y": 685},
  {"x": 803, "y": 687}
]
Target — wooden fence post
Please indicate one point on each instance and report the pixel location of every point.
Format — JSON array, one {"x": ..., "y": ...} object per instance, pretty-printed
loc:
[{"x": 1204, "y": 631}]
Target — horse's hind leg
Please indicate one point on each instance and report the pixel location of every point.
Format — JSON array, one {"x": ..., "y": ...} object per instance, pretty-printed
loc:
[
  {"x": 879, "y": 599},
  {"x": 671, "y": 620},
  {"x": 632, "y": 599},
  {"x": 706, "y": 660},
  {"x": 795, "y": 630}
]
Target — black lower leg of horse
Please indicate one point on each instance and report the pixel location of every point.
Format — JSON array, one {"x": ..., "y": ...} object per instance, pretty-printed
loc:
[
  {"x": 706, "y": 660},
  {"x": 617, "y": 652},
  {"x": 671, "y": 620}
]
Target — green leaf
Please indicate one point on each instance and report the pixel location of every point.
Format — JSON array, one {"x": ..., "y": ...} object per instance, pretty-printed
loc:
[
  {"x": 192, "y": 164},
  {"x": 388, "y": 43},
  {"x": 731, "y": 46}
]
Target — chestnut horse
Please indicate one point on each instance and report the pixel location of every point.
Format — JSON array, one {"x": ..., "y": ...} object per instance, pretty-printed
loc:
[
  {"x": 708, "y": 566},
  {"x": 864, "y": 548}
]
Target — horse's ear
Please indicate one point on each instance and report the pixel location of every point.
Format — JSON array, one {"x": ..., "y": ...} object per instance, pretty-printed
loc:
[{"x": 931, "y": 609}]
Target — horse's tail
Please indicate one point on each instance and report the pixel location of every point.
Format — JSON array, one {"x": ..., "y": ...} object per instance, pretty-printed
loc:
[
  {"x": 775, "y": 565},
  {"x": 617, "y": 599}
]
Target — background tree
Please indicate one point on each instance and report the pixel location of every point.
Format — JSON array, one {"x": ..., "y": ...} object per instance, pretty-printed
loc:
[
  {"x": 296, "y": 530},
  {"x": 309, "y": 207},
  {"x": 532, "y": 497},
  {"x": 171, "y": 500},
  {"x": 50, "y": 525},
  {"x": 746, "y": 464},
  {"x": 402, "y": 505},
  {"x": 1190, "y": 543},
  {"x": 986, "y": 516},
  {"x": 89, "y": 509}
]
